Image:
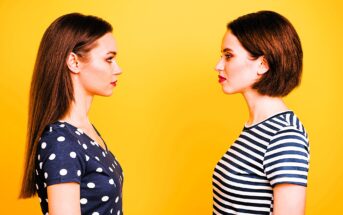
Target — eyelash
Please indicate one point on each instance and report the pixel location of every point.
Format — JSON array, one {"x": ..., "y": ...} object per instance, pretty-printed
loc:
[
  {"x": 110, "y": 59},
  {"x": 228, "y": 56}
]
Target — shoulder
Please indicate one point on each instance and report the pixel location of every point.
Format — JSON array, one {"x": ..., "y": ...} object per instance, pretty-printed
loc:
[
  {"x": 289, "y": 127},
  {"x": 287, "y": 157},
  {"x": 58, "y": 137},
  {"x": 290, "y": 138},
  {"x": 290, "y": 122},
  {"x": 61, "y": 156}
]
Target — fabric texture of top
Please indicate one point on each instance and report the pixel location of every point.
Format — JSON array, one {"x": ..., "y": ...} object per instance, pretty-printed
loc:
[
  {"x": 67, "y": 154},
  {"x": 275, "y": 151}
]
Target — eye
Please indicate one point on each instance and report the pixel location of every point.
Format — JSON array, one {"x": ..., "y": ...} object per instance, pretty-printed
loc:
[
  {"x": 110, "y": 59},
  {"x": 228, "y": 56}
]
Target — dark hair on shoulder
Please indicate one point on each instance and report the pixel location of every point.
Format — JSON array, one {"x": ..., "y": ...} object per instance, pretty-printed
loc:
[
  {"x": 51, "y": 91},
  {"x": 269, "y": 34}
]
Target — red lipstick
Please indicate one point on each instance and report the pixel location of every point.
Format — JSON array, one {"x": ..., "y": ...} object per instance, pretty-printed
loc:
[
  {"x": 114, "y": 83},
  {"x": 221, "y": 79}
]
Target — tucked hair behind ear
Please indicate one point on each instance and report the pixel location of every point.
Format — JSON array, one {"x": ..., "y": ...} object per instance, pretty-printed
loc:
[
  {"x": 51, "y": 90},
  {"x": 268, "y": 34}
]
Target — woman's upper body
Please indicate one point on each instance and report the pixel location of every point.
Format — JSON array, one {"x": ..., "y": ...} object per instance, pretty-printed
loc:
[
  {"x": 67, "y": 161},
  {"x": 266, "y": 155},
  {"x": 262, "y": 60},
  {"x": 67, "y": 154}
]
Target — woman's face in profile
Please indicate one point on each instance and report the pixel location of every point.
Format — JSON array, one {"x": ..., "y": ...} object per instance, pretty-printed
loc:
[
  {"x": 238, "y": 71},
  {"x": 98, "y": 73}
]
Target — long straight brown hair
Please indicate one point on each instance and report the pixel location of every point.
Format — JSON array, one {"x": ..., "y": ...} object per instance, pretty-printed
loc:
[{"x": 51, "y": 91}]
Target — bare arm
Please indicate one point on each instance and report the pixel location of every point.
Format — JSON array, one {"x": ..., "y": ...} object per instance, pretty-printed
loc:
[
  {"x": 64, "y": 199},
  {"x": 289, "y": 199}
]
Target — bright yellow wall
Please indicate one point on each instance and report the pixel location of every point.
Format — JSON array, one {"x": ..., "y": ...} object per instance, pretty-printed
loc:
[{"x": 168, "y": 121}]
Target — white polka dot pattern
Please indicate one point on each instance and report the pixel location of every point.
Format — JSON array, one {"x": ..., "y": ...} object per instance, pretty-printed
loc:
[
  {"x": 67, "y": 154},
  {"x": 90, "y": 185},
  {"x": 60, "y": 139},
  {"x": 104, "y": 198},
  {"x": 83, "y": 201},
  {"x": 111, "y": 181},
  {"x": 63, "y": 172},
  {"x": 72, "y": 154},
  {"x": 52, "y": 156}
]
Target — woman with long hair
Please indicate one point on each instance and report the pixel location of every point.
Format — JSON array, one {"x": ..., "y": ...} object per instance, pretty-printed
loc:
[
  {"x": 67, "y": 162},
  {"x": 265, "y": 170}
]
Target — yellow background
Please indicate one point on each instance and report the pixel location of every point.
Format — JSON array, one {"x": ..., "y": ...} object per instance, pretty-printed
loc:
[{"x": 168, "y": 121}]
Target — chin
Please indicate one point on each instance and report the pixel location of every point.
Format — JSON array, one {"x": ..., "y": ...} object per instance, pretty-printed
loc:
[
  {"x": 108, "y": 94},
  {"x": 228, "y": 91},
  {"x": 105, "y": 94}
]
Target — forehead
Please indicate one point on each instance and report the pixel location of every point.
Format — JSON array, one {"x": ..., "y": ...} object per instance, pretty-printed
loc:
[
  {"x": 230, "y": 42},
  {"x": 105, "y": 44}
]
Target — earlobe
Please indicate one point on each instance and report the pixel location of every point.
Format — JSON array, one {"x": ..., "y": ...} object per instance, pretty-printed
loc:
[
  {"x": 263, "y": 67},
  {"x": 73, "y": 63}
]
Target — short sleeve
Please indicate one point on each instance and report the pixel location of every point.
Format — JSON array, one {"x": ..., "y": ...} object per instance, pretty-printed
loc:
[
  {"x": 61, "y": 159},
  {"x": 286, "y": 160}
]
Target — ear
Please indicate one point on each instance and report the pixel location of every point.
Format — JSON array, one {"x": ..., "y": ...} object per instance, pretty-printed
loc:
[
  {"x": 263, "y": 67},
  {"x": 73, "y": 63}
]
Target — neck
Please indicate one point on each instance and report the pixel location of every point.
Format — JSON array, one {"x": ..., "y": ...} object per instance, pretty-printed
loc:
[
  {"x": 262, "y": 107},
  {"x": 77, "y": 114}
]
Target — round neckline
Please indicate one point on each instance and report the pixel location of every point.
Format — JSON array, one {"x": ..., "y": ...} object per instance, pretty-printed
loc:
[
  {"x": 268, "y": 118},
  {"x": 83, "y": 132}
]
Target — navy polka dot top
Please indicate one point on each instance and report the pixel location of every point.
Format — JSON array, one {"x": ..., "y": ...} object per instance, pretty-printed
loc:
[{"x": 66, "y": 154}]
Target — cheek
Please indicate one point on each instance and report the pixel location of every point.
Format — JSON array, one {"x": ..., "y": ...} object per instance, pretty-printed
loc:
[
  {"x": 98, "y": 71},
  {"x": 233, "y": 68},
  {"x": 239, "y": 74},
  {"x": 95, "y": 76}
]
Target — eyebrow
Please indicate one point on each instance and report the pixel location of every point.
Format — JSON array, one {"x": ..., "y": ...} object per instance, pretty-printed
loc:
[
  {"x": 227, "y": 50},
  {"x": 112, "y": 52}
]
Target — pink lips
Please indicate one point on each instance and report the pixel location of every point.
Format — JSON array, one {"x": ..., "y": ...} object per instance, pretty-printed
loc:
[
  {"x": 114, "y": 83},
  {"x": 221, "y": 79}
]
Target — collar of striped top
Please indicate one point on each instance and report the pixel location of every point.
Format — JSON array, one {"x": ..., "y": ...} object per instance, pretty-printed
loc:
[{"x": 272, "y": 116}]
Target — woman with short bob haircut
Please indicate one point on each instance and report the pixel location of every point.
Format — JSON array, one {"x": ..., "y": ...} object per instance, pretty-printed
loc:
[
  {"x": 67, "y": 162},
  {"x": 265, "y": 170}
]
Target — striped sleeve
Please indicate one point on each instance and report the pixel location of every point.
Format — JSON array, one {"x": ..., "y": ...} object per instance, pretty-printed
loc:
[{"x": 286, "y": 160}]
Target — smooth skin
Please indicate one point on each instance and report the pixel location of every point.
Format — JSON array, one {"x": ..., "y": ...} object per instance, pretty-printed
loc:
[
  {"x": 90, "y": 76},
  {"x": 64, "y": 199},
  {"x": 241, "y": 71}
]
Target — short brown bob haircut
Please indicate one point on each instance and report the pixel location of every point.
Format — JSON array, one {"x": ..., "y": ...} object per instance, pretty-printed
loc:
[{"x": 269, "y": 34}]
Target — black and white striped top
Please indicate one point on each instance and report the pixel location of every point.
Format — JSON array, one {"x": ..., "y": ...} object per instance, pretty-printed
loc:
[{"x": 275, "y": 151}]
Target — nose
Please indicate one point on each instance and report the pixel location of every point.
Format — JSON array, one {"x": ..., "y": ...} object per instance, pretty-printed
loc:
[
  {"x": 220, "y": 65},
  {"x": 116, "y": 69}
]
